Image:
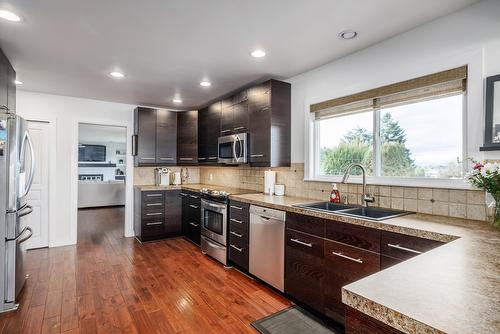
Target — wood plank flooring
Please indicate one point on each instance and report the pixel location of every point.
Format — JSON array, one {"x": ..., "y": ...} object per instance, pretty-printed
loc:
[{"x": 111, "y": 284}]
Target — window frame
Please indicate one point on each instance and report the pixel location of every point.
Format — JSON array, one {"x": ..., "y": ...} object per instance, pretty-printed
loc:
[{"x": 313, "y": 174}]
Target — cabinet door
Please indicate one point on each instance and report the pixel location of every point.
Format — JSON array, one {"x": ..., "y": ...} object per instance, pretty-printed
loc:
[
  {"x": 166, "y": 137},
  {"x": 240, "y": 117},
  {"x": 194, "y": 218},
  {"x": 343, "y": 265},
  {"x": 214, "y": 115},
  {"x": 203, "y": 117},
  {"x": 187, "y": 137},
  {"x": 226, "y": 119},
  {"x": 402, "y": 247},
  {"x": 4, "y": 77},
  {"x": 145, "y": 123},
  {"x": 259, "y": 112},
  {"x": 173, "y": 213},
  {"x": 304, "y": 273}
]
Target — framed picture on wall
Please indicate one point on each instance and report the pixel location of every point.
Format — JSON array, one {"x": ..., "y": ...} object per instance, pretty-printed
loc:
[{"x": 492, "y": 115}]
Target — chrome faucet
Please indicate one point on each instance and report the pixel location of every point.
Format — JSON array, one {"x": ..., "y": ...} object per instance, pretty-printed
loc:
[{"x": 365, "y": 198}]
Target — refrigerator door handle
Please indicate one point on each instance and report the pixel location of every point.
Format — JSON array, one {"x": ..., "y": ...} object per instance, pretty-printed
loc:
[
  {"x": 21, "y": 240},
  {"x": 27, "y": 138},
  {"x": 26, "y": 210}
]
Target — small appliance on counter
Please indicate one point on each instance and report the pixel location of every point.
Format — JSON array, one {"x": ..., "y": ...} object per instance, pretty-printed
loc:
[
  {"x": 177, "y": 179},
  {"x": 162, "y": 176},
  {"x": 279, "y": 189},
  {"x": 269, "y": 182}
]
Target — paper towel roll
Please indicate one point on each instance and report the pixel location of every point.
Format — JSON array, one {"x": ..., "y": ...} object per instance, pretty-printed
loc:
[{"x": 269, "y": 181}]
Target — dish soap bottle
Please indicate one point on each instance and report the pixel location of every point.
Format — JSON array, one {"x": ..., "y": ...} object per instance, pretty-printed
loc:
[{"x": 335, "y": 194}]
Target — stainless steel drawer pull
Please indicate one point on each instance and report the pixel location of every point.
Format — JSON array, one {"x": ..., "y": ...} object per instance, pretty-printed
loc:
[
  {"x": 154, "y": 195},
  {"x": 194, "y": 224},
  {"x": 184, "y": 194},
  {"x": 155, "y": 223},
  {"x": 238, "y": 249},
  {"x": 339, "y": 254},
  {"x": 404, "y": 249},
  {"x": 193, "y": 196},
  {"x": 186, "y": 159},
  {"x": 297, "y": 241},
  {"x": 236, "y": 207},
  {"x": 202, "y": 158},
  {"x": 236, "y": 234},
  {"x": 154, "y": 214},
  {"x": 236, "y": 221},
  {"x": 256, "y": 155},
  {"x": 212, "y": 158},
  {"x": 223, "y": 131},
  {"x": 194, "y": 206},
  {"x": 154, "y": 204},
  {"x": 168, "y": 159},
  {"x": 147, "y": 158},
  {"x": 239, "y": 128}
]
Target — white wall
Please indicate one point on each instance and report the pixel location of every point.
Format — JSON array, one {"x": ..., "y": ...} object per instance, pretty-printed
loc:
[
  {"x": 66, "y": 113},
  {"x": 470, "y": 36}
]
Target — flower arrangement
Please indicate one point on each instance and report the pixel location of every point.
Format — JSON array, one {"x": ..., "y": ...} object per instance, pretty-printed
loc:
[{"x": 486, "y": 176}]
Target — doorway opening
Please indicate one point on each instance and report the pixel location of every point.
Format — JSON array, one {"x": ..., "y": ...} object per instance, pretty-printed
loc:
[{"x": 101, "y": 182}]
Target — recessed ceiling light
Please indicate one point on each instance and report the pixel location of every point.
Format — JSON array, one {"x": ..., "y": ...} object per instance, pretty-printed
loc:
[
  {"x": 117, "y": 75},
  {"x": 205, "y": 83},
  {"x": 258, "y": 53},
  {"x": 348, "y": 34},
  {"x": 177, "y": 100},
  {"x": 9, "y": 16},
  {"x": 17, "y": 82}
]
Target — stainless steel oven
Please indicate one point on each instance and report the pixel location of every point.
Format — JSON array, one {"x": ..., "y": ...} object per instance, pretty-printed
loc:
[
  {"x": 233, "y": 149},
  {"x": 214, "y": 229}
]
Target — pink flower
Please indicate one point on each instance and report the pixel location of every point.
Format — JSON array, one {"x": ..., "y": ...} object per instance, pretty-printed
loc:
[{"x": 478, "y": 166}]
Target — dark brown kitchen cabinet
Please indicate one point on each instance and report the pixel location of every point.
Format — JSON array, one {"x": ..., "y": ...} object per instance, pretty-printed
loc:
[
  {"x": 187, "y": 137},
  {"x": 239, "y": 231},
  {"x": 145, "y": 136},
  {"x": 269, "y": 109},
  {"x": 360, "y": 323},
  {"x": 240, "y": 117},
  {"x": 157, "y": 214},
  {"x": 208, "y": 133},
  {"x": 7, "y": 84},
  {"x": 166, "y": 137},
  {"x": 226, "y": 118},
  {"x": 191, "y": 215},
  {"x": 344, "y": 264}
]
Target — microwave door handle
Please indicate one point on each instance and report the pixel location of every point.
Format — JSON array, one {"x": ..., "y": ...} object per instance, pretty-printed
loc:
[
  {"x": 242, "y": 153},
  {"x": 237, "y": 140},
  {"x": 234, "y": 148}
]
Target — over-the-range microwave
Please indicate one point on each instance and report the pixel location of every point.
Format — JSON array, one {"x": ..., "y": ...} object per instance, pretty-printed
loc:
[{"x": 233, "y": 149}]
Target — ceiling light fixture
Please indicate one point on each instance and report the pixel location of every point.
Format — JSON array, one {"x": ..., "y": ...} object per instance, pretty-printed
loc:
[
  {"x": 17, "y": 82},
  {"x": 9, "y": 16},
  {"x": 177, "y": 100},
  {"x": 117, "y": 75},
  {"x": 258, "y": 53},
  {"x": 348, "y": 34},
  {"x": 205, "y": 84}
]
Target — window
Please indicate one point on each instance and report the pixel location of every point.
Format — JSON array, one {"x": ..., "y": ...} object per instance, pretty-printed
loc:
[{"x": 412, "y": 135}]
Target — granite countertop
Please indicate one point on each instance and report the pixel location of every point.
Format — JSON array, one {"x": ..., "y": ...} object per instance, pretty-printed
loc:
[
  {"x": 454, "y": 288},
  {"x": 192, "y": 187}
]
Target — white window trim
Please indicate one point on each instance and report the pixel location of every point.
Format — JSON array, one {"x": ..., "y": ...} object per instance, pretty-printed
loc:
[{"x": 311, "y": 170}]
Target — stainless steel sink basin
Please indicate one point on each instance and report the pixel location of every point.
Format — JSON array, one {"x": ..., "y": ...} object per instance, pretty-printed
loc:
[{"x": 355, "y": 210}]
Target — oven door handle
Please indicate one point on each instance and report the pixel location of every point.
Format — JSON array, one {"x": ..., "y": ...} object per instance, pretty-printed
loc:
[{"x": 218, "y": 206}]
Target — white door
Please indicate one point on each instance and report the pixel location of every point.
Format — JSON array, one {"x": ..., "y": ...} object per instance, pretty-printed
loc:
[{"x": 38, "y": 196}]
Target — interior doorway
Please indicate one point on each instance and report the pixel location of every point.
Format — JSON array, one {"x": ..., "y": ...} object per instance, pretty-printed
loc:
[{"x": 101, "y": 179}]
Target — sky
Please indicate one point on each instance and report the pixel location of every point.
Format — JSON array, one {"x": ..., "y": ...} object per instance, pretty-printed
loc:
[{"x": 433, "y": 129}]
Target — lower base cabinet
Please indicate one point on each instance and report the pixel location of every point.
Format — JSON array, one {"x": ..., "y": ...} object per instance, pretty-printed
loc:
[
  {"x": 191, "y": 215},
  {"x": 359, "y": 323}
]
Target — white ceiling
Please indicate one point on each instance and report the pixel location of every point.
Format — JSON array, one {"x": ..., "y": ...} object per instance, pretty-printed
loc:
[
  {"x": 95, "y": 134},
  {"x": 166, "y": 47}
]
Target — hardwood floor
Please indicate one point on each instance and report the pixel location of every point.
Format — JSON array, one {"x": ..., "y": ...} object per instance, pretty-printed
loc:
[{"x": 111, "y": 284}]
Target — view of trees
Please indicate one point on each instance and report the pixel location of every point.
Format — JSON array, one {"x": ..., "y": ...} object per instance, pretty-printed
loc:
[{"x": 357, "y": 146}]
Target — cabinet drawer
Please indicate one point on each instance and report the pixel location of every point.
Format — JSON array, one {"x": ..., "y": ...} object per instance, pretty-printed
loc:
[
  {"x": 152, "y": 227},
  {"x": 403, "y": 247},
  {"x": 153, "y": 205},
  {"x": 152, "y": 196},
  {"x": 306, "y": 224},
  {"x": 238, "y": 254},
  {"x": 156, "y": 214},
  {"x": 304, "y": 243},
  {"x": 238, "y": 239},
  {"x": 354, "y": 235},
  {"x": 343, "y": 265},
  {"x": 239, "y": 210},
  {"x": 238, "y": 226}
]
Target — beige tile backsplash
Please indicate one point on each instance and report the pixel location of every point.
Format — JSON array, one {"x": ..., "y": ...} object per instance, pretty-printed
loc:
[
  {"x": 145, "y": 175},
  {"x": 445, "y": 202}
]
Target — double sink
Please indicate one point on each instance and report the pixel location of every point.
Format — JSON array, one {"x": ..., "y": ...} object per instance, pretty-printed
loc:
[{"x": 355, "y": 210}]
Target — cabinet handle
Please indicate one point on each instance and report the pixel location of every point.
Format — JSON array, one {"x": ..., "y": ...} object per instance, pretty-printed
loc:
[
  {"x": 297, "y": 241},
  {"x": 184, "y": 194},
  {"x": 194, "y": 224},
  {"x": 256, "y": 155},
  {"x": 154, "y": 195},
  {"x": 194, "y": 206},
  {"x": 236, "y": 234},
  {"x": 167, "y": 159},
  {"x": 155, "y": 223},
  {"x": 236, "y": 221},
  {"x": 340, "y": 254},
  {"x": 223, "y": 131},
  {"x": 147, "y": 158},
  {"x": 212, "y": 158},
  {"x": 236, "y": 207},
  {"x": 202, "y": 158},
  {"x": 239, "y": 128},
  {"x": 193, "y": 196},
  {"x": 185, "y": 159},
  {"x": 134, "y": 145},
  {"x": 238, "y": 249},
  {"x": 154, "y": 204},
  {"x": 404, "y": 249},
  {"x": 154, "y": 214}
]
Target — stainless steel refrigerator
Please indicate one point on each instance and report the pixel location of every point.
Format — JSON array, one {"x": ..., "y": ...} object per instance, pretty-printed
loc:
[{"x": 17, "y": 168}]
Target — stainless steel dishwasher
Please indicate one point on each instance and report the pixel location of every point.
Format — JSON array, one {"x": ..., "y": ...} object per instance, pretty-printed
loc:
[{"x": 267, "y": 245}]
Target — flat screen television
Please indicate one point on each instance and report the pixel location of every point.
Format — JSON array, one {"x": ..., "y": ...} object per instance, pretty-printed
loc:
[{"x": 91, "y": 153}]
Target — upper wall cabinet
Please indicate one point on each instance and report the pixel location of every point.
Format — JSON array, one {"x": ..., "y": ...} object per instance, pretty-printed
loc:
[
  {"x": 155, "y": 137},
  {"x": 270, "y": 114},
  {"x": 7, "y": 85},
  {"x": 209, "y": 120},
  {"x": 187, "y": 137},
  {"x": 234, "y": 115}
]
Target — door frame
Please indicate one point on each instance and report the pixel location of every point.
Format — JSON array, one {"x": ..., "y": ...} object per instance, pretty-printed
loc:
[{"x": 129, "y": 180}]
